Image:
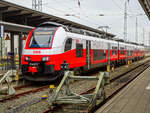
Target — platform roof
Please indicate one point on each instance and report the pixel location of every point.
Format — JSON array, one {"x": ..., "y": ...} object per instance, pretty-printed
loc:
[
  {"x": 146, "y": 6},
  {"x": 16, "y": 14},
  {"x": 15, "y": 27}
]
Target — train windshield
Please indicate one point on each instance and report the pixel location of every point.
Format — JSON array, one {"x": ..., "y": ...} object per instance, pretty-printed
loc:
[{"x": 42, "y": 37}]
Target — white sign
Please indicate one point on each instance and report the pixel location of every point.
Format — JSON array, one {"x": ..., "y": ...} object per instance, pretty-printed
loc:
[{"x": 1, "y": 31}]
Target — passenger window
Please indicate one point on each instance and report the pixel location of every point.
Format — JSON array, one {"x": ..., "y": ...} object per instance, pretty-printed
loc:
[
  {"x": 68, "y": 44},
  {"x": 99, "y": 54},
  {"x": 79, "y": 50},
  {"x": 121, "y": 50},
  {"x": 130, "y": 53},
  {"x": 114, "y": 50}
]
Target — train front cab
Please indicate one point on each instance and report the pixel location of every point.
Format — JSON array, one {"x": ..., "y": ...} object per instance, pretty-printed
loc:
[{"x": 40, "y": 53}]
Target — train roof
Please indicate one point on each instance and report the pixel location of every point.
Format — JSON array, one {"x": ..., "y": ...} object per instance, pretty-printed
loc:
[
  {"x": 49, "y": 24},
  {"x": 72, "y": 29},
  {"x": 92, "y": 35}
]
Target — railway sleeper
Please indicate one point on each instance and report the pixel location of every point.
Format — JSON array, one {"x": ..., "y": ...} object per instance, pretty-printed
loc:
[{"x": 89, "y": 99}]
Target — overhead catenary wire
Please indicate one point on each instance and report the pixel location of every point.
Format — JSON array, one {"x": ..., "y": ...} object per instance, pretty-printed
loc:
[
  {"x": 88, "y": 18},
  {"x": 20, "y": 2},
  {"x": 81, "y": 10},
  {"x": 76, "y": 16},
  {"x": 62, "y": 11},
  {"x": 71, "y": 6},
  {"x": 116, "y": 4}
]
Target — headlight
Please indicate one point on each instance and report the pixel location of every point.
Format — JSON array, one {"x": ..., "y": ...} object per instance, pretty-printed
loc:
[
  {"x": 46, "y": 58},
  {"x": 27, "y": 58}
]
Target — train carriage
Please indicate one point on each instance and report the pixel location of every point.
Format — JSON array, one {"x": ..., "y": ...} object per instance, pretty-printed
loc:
[
  {"x": 113, "y": 51},
  {"x": 143, "y": 52},
  {"x": 122, "y": 52},
  {"x": 99, "y": 52},
  {"x": 51, "y": 44}
]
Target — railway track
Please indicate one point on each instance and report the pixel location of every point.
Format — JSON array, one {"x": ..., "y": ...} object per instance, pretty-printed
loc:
[
  {"x": 38, "y": 89},
  {"x": 34, "y": 90},
  {"x": 116, "y": 85},
  {"x": 135, "y": 73},
  {"x": 23, "y": 90}
]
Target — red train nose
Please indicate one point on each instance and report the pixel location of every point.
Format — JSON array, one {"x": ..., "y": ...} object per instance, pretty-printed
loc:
[{"x": 32, "y": 69}]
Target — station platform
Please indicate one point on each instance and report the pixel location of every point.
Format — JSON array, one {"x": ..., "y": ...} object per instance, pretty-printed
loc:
[{"x": 134, "y": 98}]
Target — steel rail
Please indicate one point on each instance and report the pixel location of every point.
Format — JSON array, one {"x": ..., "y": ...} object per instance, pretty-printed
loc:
[{"x": 115, "y": 92}]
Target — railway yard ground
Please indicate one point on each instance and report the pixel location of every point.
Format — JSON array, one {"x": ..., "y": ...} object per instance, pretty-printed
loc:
[
  {"x": 55, "y": 58},
  {"x": 127, "y": 91}
]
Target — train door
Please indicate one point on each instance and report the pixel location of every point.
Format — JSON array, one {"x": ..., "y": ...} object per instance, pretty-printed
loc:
[
  {"x": 118, "y": 50},
  {"x": 88, "y": 54},
  {"x": 126, "y": 53},
  {"x": 109, "y": 48}
]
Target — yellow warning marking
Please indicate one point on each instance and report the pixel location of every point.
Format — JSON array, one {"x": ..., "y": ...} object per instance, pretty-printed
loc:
[
  {"x": 17, "y": 77},
  {"x": 73, "y": 75},
  {"x": 51, "y": 86},
  {"x": 113, "y": 69},
  {"x": 108, "y": 68},
  {"x": 128, "y": 62},
  {"x": 44, "y": 96}
]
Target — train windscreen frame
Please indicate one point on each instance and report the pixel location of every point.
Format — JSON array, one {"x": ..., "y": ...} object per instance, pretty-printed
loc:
[{"x": 42, "y": 37}]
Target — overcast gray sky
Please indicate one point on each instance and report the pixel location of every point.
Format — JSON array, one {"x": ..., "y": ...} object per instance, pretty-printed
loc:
[{"x": 89, "y": 10}]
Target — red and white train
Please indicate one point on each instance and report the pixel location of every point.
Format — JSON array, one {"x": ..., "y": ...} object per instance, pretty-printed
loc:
[{"x": 51, "y": 44}]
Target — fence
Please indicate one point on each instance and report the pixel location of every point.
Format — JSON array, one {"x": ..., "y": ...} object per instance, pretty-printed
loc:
[{"x": 8, "y": 62}]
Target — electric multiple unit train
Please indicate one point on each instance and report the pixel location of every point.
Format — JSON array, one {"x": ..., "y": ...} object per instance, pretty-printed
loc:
[{"x": 51, "y": 44}]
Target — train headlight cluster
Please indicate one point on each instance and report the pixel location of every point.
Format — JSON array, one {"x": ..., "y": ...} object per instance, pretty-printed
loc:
[
  {"x": 45, "y": 58},
  {"x": 27, "y": 58}
]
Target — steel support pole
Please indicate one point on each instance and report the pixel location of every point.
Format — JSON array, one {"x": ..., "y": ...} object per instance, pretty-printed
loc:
[
  {"x": 12, "y": 49},
  {"x": 0, "y": 15},
  {"x": 1, "y": 38},
  {"x": 109, "y": 63},
  {"x": 20, "y": 49}
]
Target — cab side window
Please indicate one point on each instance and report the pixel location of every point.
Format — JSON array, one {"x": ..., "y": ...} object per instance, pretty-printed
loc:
[{"x": 68, "y": 44}]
